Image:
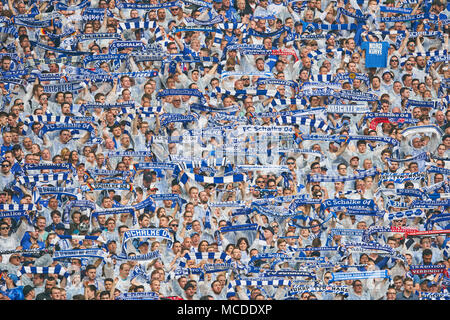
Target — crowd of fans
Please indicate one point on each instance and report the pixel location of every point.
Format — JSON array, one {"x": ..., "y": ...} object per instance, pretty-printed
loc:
[{"x": 224, "y": 150}]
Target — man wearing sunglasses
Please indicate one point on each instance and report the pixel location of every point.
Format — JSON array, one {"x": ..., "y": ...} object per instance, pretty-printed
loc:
[
  {"x": 11, "y": 240},
  {"x": 6, "y": 176}
]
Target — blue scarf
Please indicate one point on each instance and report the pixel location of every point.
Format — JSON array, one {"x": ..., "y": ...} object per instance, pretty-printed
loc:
[
  {"x": 298, "y": 289},
  {"x": 64, "y": 7},
  {"x": 199, "y": 3},
  {"x": 72, "y": 87},
  {"x": 44, "y": 177},
  {"x": 138, "y": 295},
  {"x": 184, "y": 92},
  {"x": 204, "y": 256},
  {"x": 59, "y": 50},
  {"x": 213, "y": 20},
  {"x": 76, "y": 203},
  {"x": 66, "y": 126},
  {"x": 420, "y": 16},
  {"x": 252, "y": 32},
  {"x": 346, "y": 203},
  {"x": 58, "y": 269},
  {"x": 118, "y": 45},
  {"x": 90, "y": 14},
  {"x": 79, "y": 253},
  {"x": 341, "y": 276},
  {"x": 147, "y": 7},
  {"x": 161, "y": 233},
  {"x": 96, "y": 36}
]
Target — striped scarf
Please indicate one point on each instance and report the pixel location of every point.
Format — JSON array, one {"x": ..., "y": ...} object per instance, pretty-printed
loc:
[
  {"x": 313, "y": 123},
  {"x": 204, "y": 256},
  {"x": 44, "y": 177},
  {"x": 59, "y": 270}
]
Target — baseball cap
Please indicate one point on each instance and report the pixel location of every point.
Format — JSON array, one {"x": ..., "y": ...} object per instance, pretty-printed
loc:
[
  {"x": 142, "y": 243},
  {"x": 231, "y": 294},
  {"x": 60, "y": 226},
  {"x": 270, "y": 229}
]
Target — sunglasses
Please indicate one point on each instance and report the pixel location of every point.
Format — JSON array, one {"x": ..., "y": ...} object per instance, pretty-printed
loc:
[
  {"x": 174, "y": 225},
  {"x": 5, "y": 166},
  {"x": 5, "y": 228}
]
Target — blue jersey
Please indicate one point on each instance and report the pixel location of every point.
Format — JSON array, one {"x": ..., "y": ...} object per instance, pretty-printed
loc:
[
  {"x": 376, "y": 54},
  {"x": 4, "y": 148}
]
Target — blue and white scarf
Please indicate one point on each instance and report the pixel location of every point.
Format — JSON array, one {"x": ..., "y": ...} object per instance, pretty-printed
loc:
[
  {"x": 138, "y": 296},
  {"x": 119, "y": 45},
  {"x": 44, "y": 177},
  {"x": 348, "y": 108},
  {"x": 183, "y": 92},
  {"x": 80, "y": 253},
  {"x": 160, "y": 233},
  {"x": 204, "y": 256},
  {"x": 213, "y": 20},
  {"x": 58, "y": 269},
  {"x": 66, "y": 126},
  {"x": 296, "y": 289},
  {"x": 400, "y": 177},
  {"x": 334, "y": 178},
  {"x": 341, "y": 276},
  {"x": 348, "y": 203},
  {"x": 119, "y": 154},
  {"x": 318, "y": 124}
]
